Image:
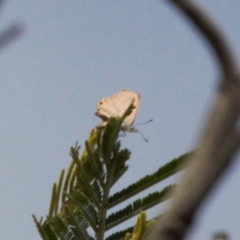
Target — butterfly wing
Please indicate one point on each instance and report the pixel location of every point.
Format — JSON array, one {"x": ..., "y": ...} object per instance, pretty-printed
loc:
[
  {"x": 116, "y": 105},
  {"x": 130, "y": 97}
]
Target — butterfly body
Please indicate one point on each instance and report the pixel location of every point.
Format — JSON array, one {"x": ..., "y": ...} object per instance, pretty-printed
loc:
[{"x": 116, "y": 105}]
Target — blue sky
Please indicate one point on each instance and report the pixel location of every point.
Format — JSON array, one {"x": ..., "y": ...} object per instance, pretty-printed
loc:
[{"x": 72, "y": 54}]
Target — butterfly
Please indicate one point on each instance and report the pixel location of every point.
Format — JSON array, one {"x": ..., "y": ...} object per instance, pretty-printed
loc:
[{"x": 116, "y": 105}]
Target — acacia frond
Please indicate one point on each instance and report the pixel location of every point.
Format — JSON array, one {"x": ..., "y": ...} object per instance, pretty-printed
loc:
[
  {"x": 143, "y": 229},
  {"x": 162, "y": 173},
  {"x": 110, "y": 135},
  {"x": 137, "y": 206},
  {"x": 85, "y": 191},
  {"x": 66, "y": 185},
  {"x": 120, "y": 234},
  {"x": 45, "y": 230}
]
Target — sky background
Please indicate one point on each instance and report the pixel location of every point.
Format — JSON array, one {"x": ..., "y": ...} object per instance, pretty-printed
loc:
[{"x": 74, "y": 53}]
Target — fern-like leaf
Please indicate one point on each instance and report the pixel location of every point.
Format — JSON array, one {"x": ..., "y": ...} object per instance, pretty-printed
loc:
[
  {"x": 162, "y": 173},
  {"x": 137, "y": 206},
  {"x": 85, "y": 191}
]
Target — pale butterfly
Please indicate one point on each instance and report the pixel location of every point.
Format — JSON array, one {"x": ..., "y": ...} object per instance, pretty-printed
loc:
[{"x": 116, "y": 105}]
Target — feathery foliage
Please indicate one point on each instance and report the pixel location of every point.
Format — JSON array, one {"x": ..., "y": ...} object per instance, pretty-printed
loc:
[{"x": 84, "y": 193}]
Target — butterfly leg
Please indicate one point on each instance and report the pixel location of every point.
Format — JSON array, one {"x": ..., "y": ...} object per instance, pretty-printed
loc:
[{"x": 123, "y": 134}]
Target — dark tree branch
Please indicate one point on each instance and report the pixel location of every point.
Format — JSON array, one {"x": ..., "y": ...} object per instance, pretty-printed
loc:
[
  {"x": 10, "y": 33},
  {"x": 220, "y": 139}
]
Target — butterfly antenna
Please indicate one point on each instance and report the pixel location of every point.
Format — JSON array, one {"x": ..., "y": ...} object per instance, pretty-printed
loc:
[
  {"x": 143, "y": 136},
  {"x": 144, "y": 122}
]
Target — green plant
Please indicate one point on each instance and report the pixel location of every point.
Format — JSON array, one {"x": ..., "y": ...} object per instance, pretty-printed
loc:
[{"x": 84, "y": 193}]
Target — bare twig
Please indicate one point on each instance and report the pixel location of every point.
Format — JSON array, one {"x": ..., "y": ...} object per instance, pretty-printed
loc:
[
  {"x": 220, "y": 139},
  {"x": 220, "y": 236},
  {"x": 10, "y": 34}
]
